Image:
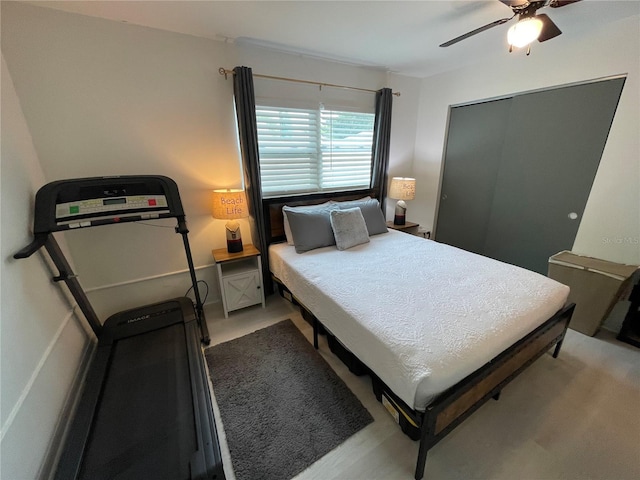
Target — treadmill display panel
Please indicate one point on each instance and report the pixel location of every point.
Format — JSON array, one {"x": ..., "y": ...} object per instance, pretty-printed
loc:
[
  {"x": 114, "y": 201},
  {"x": 146, "y": 206}
]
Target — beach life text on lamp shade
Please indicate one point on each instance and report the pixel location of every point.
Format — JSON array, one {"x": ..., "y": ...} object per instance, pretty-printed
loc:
[
  {"x": 402, "y": 188},
  {"x": 230, "y": 204}
]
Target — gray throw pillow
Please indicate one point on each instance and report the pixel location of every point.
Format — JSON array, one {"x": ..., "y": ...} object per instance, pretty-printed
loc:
[
  {"x": 303, "y": 208},
  {"x": 310, "y": 229},
  {"x": 349, "y": 228},
  {"x": 371, "y": 212}
]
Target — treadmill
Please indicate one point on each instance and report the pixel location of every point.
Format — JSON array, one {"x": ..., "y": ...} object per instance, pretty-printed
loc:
[{"x": 145, "y": 409}]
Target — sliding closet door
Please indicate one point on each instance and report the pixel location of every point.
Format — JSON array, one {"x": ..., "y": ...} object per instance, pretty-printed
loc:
[
  {"x": 474, "y": 150},
  {"x": 556, "y": 140},
  {"x": 551, "y": 146}
]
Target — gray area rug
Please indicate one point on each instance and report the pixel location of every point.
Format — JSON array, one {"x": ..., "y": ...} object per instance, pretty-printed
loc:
[{"x": 282, "y": 406}]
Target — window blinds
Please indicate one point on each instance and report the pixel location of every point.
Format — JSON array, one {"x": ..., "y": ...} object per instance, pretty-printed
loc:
[{"x": 311, "y": 150}]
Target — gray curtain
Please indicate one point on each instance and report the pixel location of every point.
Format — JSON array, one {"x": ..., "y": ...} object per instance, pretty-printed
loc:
[
  {"x": 381, "y": 141},
  {"x": 248, "y": 134}
]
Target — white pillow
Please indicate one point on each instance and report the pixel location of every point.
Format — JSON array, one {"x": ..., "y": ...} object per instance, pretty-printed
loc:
[
  {"x": 349, "y": 228},
  {"x": 304, "y": 208}
]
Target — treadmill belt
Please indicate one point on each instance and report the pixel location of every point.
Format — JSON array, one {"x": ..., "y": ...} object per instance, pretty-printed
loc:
[{"x": 144, "y": 427}]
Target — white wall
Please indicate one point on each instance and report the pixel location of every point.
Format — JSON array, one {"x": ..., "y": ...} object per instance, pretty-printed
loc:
[
  {"x": 105, "y": 98},
  {"x": 42, "y": 340},
  {"x": 610, "y": 228},
  {"x": 403, "y": 137}
]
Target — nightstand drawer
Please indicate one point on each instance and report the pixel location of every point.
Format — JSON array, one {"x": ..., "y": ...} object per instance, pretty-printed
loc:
[{"x": 242, "y": 290}]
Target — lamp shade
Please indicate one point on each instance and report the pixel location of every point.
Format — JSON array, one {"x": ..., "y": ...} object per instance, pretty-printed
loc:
[
  {"x": 524, "y": 32},
  {"x": 402, "y": 188},
  {"x": 229, "y": 204}
]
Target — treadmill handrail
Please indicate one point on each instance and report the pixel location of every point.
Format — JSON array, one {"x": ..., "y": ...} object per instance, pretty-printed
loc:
[
  {"x": 109, "y": 189},
  {"x": 38, "y": 242}
]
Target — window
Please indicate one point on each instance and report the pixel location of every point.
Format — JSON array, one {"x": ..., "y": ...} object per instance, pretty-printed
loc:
[{"x": 304, "y": 150}]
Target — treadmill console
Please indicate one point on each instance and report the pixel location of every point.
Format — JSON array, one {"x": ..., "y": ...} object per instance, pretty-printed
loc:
[
  {"x": 87, "y": 202},
  {"x": 80, "y": 213}
]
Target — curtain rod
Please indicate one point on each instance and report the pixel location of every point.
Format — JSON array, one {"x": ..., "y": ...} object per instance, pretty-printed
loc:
[{"x": 225, "y": 72}]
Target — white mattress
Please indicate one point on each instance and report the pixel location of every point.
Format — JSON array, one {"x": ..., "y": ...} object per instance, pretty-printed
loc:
[{"x": 422, "y": 315}]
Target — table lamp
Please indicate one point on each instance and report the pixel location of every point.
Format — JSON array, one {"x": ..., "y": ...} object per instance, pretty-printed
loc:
[
  {"x": 402, "y": 189},
  {"x": 230, "y": 204}
]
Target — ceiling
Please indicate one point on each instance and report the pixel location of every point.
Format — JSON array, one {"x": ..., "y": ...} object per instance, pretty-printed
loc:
[{"x": 397, "y": 36}]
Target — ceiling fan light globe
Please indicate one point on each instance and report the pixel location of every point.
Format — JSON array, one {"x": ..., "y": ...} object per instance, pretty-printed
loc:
[{"x": 524, "y": 32}]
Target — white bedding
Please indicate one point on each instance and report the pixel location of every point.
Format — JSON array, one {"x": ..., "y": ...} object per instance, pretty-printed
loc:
[{"x": 422, "y": 315}]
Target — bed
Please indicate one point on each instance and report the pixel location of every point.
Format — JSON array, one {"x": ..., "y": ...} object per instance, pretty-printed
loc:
[{"x": 439, "y": 330}]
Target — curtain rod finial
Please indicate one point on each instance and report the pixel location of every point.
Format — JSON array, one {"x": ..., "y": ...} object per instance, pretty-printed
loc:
[{"x": 223, "y": 71}]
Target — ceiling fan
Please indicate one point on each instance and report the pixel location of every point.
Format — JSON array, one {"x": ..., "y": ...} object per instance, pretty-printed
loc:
[{"x": 530, "y": 26}]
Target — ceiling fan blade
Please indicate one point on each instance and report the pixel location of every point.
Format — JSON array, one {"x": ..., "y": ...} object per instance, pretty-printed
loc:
[
  {"x": 549, "y": 29},
  {"x": 476, "y": 31},
  {"x": 561, "y": 3}
]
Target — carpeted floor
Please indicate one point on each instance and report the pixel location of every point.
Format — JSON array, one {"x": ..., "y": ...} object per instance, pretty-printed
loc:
[{"x": 282, "y": 406}]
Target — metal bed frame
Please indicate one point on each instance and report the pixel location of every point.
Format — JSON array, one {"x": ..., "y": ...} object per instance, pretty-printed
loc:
[{"x": 453, "y": 406}]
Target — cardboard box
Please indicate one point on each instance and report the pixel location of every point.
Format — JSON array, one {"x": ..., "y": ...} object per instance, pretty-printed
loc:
[{"x": 596, "y": 286}]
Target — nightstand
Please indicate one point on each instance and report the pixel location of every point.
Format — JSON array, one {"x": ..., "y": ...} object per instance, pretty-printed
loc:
[
  {"x": 408, "y": 227},
  {"x": 240, "y": 278}
]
